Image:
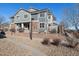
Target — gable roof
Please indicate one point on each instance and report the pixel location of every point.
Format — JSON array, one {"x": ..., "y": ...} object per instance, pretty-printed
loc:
[
  {"x": 39, "y": 11},
  {"x": 36, "y": 11},
  {"x": 23, "y": 10},
  {"x": 18, "y": 11},
  {"x": 32, "y": 9}
]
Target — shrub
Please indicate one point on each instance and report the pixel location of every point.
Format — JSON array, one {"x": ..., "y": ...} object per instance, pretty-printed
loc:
[
  {"x": 45, "y": 41},
  {"x": 73, "y": 42},
  {"x": 53, "y": 31},
  {"x": 56, "y": 42},
  {"x": 76, "y": 34},
  {"x": 21, "y": 30}
]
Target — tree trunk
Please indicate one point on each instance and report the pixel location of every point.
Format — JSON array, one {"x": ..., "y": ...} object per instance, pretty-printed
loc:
[{"x": 76, "y": 27}]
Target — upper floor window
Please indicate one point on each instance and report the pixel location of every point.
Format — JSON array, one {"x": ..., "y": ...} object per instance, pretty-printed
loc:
[
  {"x": 49, "y": 17},
  {"x": 42, "y": 14},
  {"x": 25, "y": 16},
  {"x": 32, "y": 18},
  {"x": 41, "y": 25},
  {"x": 17, "y": 17},
  {"x": 49, "y": 24}
]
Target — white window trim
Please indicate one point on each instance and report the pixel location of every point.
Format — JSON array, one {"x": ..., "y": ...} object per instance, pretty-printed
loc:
[
  {"x": 43, "y": 14},
  {"x": 42, "y": 26}
]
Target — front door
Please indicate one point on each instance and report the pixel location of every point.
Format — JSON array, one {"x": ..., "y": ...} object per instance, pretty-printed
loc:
[{"x": 26, "y": 25}]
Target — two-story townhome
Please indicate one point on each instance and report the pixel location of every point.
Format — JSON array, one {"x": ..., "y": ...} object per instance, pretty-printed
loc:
[{"x": 35, "y": 19}]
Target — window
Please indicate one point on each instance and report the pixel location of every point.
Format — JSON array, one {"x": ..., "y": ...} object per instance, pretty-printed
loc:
[
  {"x": 41, "y": 14},
  {"x": 49, "y": 17},
  {"x": 12, "y": 20},
  {"x": 41, "y": 25},
  {"x": 17, "y": 17},
  {"x": 25, "y": 16},
  {"x": 49, "y": 24},
  {"x": 19, "y": 24},
  {"x": 32, "y": 18},
  {"x": 54, "y": 24}
]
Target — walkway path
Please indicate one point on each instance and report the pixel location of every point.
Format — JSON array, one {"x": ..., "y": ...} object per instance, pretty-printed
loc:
[{"x": 34, "y": 51}]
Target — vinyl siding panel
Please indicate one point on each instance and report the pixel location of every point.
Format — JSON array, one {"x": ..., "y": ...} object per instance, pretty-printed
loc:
[
  {"x": 43, "y": 20},
  {"x": 35, "y": 16},
  {"x": 19, "y": 18}
]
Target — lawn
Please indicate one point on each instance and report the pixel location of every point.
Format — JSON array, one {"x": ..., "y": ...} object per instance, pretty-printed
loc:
[{"x": 20, "y": 44}]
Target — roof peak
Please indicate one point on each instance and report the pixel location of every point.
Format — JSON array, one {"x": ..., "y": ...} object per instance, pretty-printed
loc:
[
  {"x": 31, "y": 9},
  {"x": 21, "y": 8}
]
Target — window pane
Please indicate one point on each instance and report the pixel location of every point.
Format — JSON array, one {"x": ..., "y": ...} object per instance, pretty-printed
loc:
[
  {"x": 17, "y": 17},
  {"x": 32, "y": 18},
  {"x": 25, "y": 16},
  {"x": 41, "y": 14},
  {"x": 41, "y": 25},
  {"x": 49, "y": 17}
]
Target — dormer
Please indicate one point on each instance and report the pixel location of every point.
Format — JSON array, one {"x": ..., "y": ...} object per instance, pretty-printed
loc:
[{"x": 32, "y": 10}]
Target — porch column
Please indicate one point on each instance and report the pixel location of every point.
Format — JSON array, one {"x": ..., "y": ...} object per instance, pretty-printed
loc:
[{"x": 22, "y": 25}]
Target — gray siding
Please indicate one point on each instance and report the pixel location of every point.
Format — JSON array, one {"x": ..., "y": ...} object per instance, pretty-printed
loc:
[
  {"x": 21, "y": 18},
  {"x": 35, "y": 16},
  {"x": 43, "y": 20}
]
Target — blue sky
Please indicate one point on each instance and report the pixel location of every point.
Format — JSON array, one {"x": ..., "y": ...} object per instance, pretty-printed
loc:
[{"x": 9, "y": 9}]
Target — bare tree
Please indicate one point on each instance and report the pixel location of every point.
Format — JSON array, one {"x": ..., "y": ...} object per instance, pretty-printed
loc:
[
  {"x": 71, "y": 17},
  {"x": 3, "y": 22},
  {"x": 2, "y": 19}
]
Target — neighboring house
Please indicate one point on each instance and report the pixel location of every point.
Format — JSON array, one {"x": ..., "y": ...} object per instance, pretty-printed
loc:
[{"x": 42, "y": 20}]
